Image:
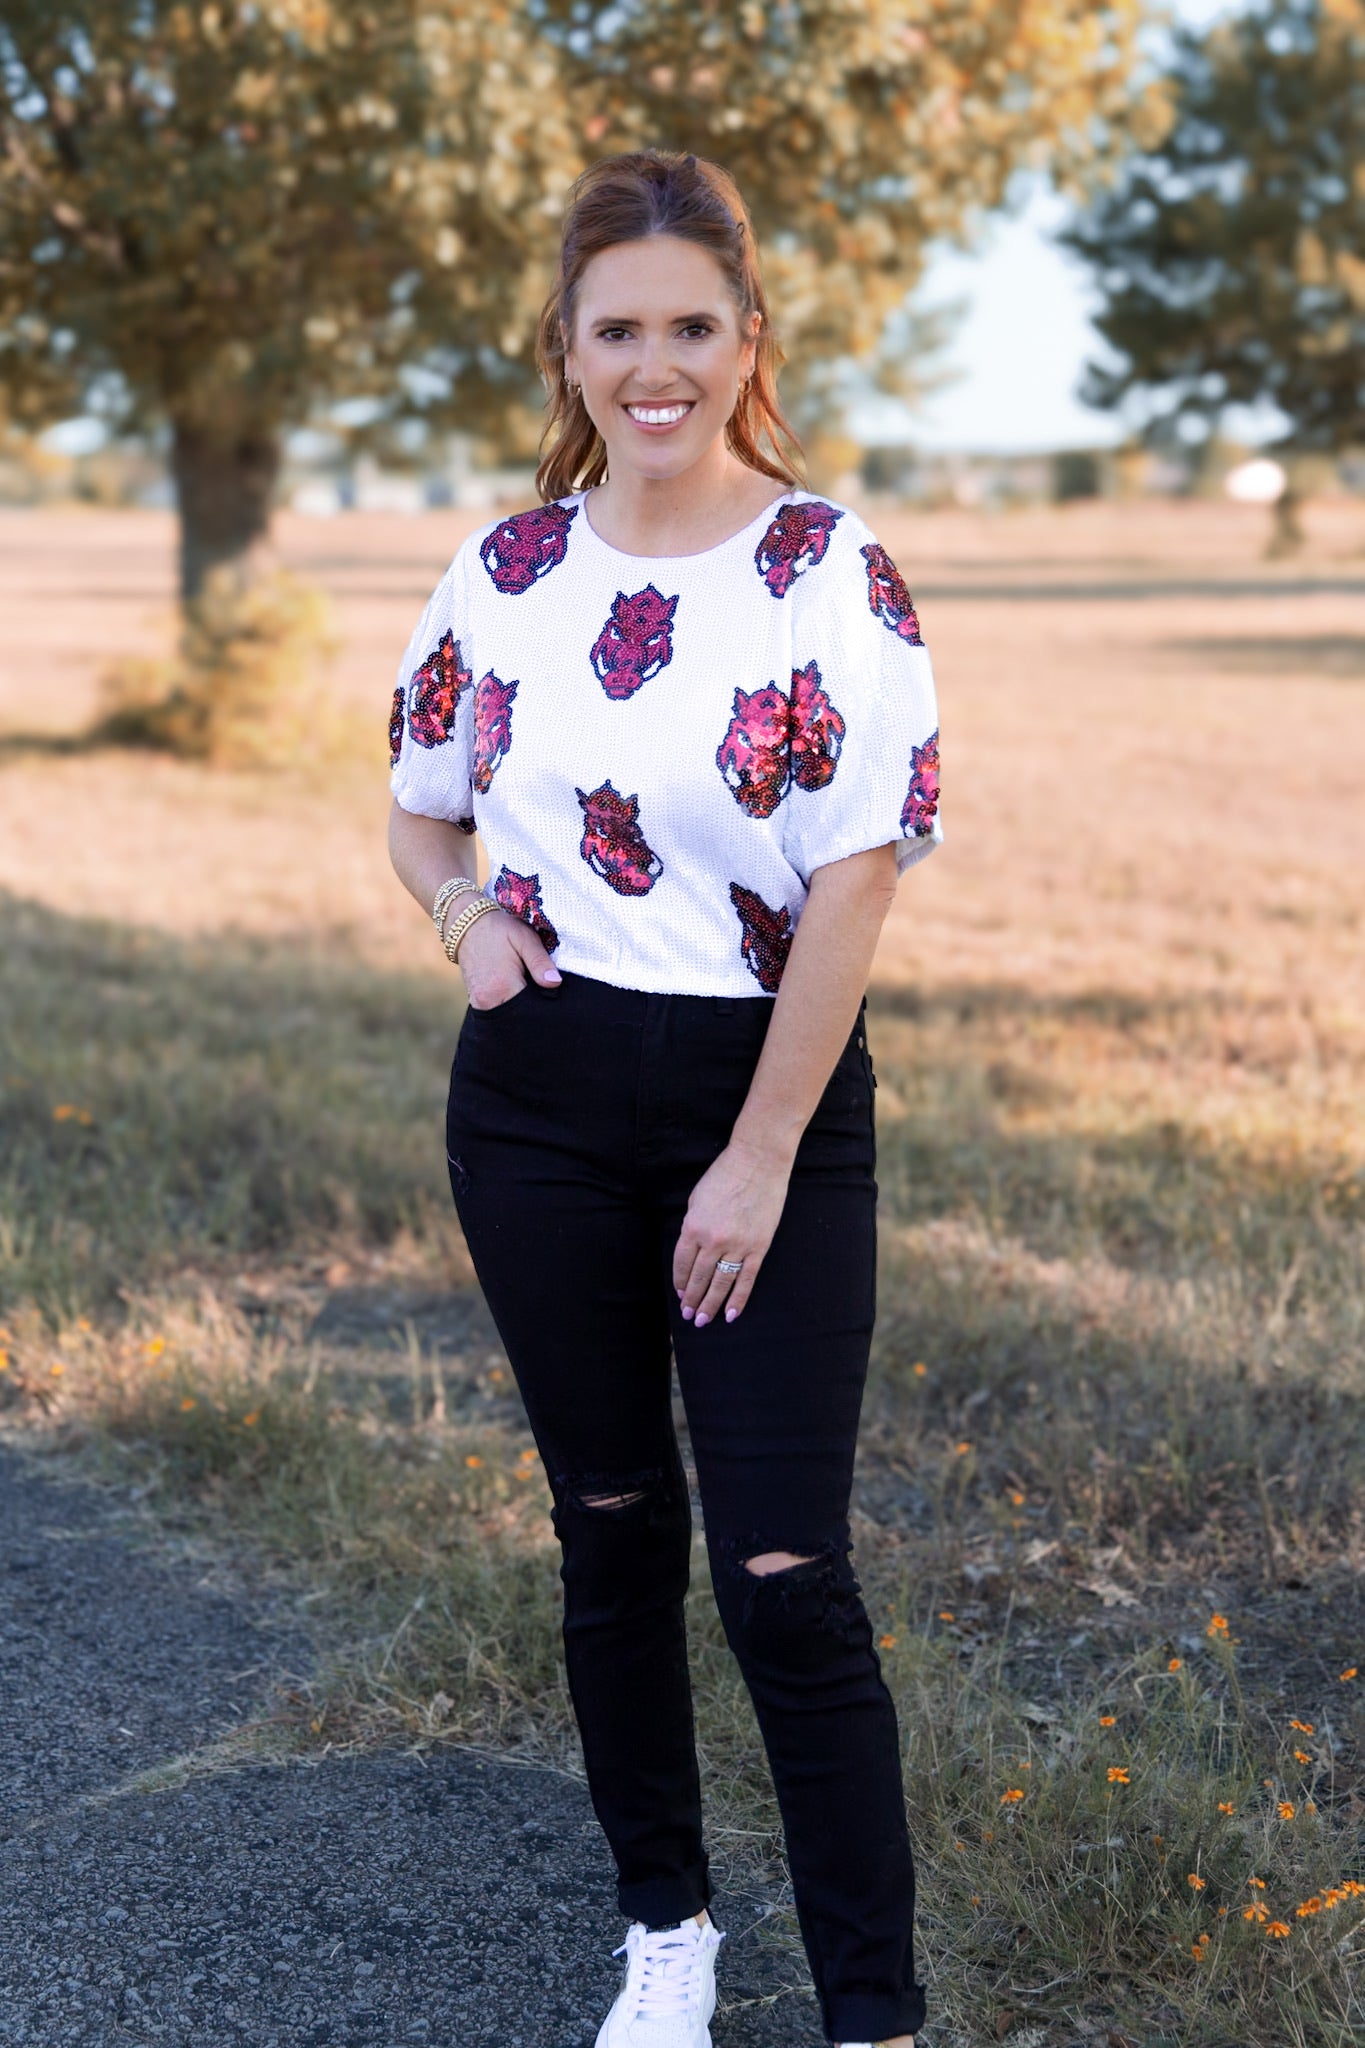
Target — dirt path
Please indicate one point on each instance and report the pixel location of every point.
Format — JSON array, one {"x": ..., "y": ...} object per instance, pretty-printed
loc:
[{"x": 378, "y": 1899}]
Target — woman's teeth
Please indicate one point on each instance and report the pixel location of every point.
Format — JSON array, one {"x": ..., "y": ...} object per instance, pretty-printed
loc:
[{"x": 658, "y": 415}]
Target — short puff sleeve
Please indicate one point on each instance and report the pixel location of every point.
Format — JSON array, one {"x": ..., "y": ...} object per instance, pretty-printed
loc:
[
  {"x": 431, "y": 719},
  {"x": 864, "y": 714}
]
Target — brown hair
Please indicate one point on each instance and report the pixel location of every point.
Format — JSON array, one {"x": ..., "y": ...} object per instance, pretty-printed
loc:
[{"x": 624, "y": 199}]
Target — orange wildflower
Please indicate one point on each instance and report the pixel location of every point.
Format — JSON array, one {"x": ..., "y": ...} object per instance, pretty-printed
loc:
[
  {"x": 886, "y": 1642},
  {"x": 1256, "y": 1911},
  {"x": 1304, "y": 1727},
  {"x": 961, "y": 1449},
  {"x": 473, "y": 1461},
  {"x": 1285, "y": 1809},
  {"x": 1196, "y": 1880},
  {"x": 1018, "y": 1499},
  {"x": 1259, "y": 1883},
  {"x": 1174, "y": 1664},
  {"x": 1008, "y": 1798},
  {"x": 1277, "y": 1930},
  {"x": 1226, "y": 1806},
  {"x": 1349, "y": 1672},
  {"x": 1107, "y": 1720},
  {"x": 1218, "y": 1625},
  {"x": 249, "y": 1421},
  {"x": 1301, "y": 1756},
  {"x": 919, "y": 1370},
  {"x": 1117, "y": 1775},
  {"x": 188, "y": 1403},
  {"x": 946, "y": 1614},
  {"x": 1313, "y": 1905}
]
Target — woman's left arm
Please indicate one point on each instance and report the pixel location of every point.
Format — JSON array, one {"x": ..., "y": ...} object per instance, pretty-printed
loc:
[{"x": 736, "y": 1205}]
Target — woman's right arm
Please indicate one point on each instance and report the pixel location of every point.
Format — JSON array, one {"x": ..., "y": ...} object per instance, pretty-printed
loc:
[{"x": 498, "y": 951}]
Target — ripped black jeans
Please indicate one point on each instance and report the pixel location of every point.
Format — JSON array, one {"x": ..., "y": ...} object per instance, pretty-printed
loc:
[{"x": 579, "y": 1122}]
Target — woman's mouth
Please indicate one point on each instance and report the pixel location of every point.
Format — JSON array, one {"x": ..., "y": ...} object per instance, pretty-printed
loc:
[{"x": 657, "y": 419}]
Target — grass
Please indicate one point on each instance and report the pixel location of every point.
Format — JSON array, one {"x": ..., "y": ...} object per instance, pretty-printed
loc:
[{"x": 1108, "y": 1511}]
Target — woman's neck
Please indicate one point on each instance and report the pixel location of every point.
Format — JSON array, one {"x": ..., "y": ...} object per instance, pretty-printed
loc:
[{"x": 680, "y": 515}]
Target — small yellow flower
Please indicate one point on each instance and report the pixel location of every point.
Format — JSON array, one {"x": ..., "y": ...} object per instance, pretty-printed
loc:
[
  {"x": 1016, "y": 1792},
  {"x": 250, "y": 1421},
  {"x": 188, "y": 1403},
  {"x": 154, "y": 1347},
  {"x": 1196, "y": 1880},
  {"x": 1174, "y": 1664},
  {"x": 4, "y": 1361},
  {"x": 886, "y": 1642},
  {"x": 1226, "y": 1806},
  {"x": 1350, "y": 1672},
  {"x": 919, "y": 1370},
  {"x": 1277, "y": 1930},
  {"x": 57, "y": 1368},
  {"x": 1117, "y": 1775},
  {"x": 1304, "y": 1727},
  {"x": 84, "y": 1325},
  {"x": 1301, "y": 1756},
  {"x": 1285, "y": 1810},
  {"x": 473, "y": 1461},
  {"x": 946, "y": 1614},
  {"x": 1107, "y": 1720}
]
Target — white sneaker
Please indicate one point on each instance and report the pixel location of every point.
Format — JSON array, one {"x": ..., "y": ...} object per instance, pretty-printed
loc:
[{"x": 670, "y": 1990}]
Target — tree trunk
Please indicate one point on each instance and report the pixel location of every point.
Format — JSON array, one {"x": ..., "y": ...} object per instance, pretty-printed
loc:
[
  {"x": 223, "y": 485},
  {"x": 1287, "y": 536}
]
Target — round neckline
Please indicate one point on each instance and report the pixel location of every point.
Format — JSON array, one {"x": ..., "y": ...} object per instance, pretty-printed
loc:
[{"x": 698, "y": 554}]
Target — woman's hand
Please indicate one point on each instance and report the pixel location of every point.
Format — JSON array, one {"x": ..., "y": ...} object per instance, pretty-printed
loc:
[
  {"x": 733, "y": 1212},
  {"x": 496, "y": 955}
]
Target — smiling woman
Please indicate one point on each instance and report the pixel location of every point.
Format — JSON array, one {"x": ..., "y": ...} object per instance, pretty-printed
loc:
[{"x": 701, "y": 748}]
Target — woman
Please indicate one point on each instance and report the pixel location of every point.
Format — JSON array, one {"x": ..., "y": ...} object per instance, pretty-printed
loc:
[{"x": 685, "y": 703}]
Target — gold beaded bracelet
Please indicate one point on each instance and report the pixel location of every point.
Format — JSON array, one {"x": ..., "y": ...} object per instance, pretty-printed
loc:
[
  {"x": 445, "y": 896},
  {"x": 468, "y": 916}
]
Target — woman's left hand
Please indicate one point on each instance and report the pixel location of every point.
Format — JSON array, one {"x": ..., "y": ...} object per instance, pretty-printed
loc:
[{"x": 733, "y": 1212}]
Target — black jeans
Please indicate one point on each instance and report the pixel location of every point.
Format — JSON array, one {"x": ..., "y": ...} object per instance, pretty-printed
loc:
[{"x": 579, "y": 1121}]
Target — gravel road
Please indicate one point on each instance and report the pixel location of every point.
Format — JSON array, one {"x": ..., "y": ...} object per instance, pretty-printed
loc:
[{"x": 377, "y": 1899}]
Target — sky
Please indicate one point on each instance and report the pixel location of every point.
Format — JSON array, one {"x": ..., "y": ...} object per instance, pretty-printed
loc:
[{"x": 1026, "y": 335}]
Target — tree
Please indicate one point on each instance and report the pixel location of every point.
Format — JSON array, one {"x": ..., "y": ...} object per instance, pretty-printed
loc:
[
  {"x": 859, "y": 130},
  {"x": 218, "y": 216},
  {"x": 1232, "y": 256},
  {"x": 215, "y": 214}
]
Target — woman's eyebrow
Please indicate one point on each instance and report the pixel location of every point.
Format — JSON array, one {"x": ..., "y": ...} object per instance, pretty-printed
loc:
[{"x": 633, "y": 319}]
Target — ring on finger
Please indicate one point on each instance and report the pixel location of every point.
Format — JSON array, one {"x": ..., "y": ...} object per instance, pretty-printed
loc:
[{"x": 729, "y": 1265}]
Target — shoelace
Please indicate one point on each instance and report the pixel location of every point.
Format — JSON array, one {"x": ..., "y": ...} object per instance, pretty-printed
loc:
[{"x": 666, "y": 1966}]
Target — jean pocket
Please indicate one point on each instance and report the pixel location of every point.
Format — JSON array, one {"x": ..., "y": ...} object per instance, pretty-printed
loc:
[{"x": 507, "y": 1003}]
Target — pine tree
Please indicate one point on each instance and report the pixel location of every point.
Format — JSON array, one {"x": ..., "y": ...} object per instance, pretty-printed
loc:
[{"x": 1232, "y": 256}]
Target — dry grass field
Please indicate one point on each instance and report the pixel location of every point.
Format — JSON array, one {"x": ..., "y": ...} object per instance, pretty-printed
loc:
[{"x": 1109, "y": 1510}]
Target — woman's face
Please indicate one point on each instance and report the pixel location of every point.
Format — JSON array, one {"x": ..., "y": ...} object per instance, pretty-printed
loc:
[{"x": 658, "y": 349}]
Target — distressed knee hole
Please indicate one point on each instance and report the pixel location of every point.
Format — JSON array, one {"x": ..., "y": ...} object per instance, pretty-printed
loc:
[
  {"x": 769, "y": 1561},
  {"x": 610, "y": 1493}
]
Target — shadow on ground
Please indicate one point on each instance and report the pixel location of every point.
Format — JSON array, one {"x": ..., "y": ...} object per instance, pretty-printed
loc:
[{"x": 345, "y": 1899}]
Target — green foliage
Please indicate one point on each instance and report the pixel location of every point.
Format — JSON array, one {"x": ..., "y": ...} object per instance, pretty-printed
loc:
[
  {"x": 236, "y": 210},
  {"x": 1232, "y": 255}
]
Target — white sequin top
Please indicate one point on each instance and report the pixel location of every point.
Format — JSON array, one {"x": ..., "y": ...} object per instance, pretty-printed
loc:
[{"x": 657, "y": 751}]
